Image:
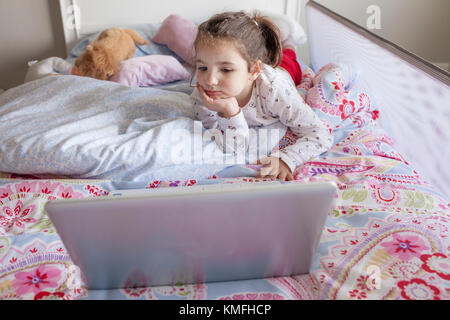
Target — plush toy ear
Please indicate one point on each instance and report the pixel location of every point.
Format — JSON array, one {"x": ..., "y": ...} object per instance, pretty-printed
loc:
[
  {"x": 101, "y": 59},
  {"x": 89, "y": 47}
]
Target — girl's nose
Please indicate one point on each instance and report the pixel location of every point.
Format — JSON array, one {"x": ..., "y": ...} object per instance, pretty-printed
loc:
[{"x": 211, "y": 79}]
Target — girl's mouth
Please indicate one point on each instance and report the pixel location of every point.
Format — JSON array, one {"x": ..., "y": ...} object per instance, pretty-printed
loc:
[{"x": 212, "y": 93}]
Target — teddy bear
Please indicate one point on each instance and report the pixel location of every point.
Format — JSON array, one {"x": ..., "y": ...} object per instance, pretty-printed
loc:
[{"x": 102, "y": 57}]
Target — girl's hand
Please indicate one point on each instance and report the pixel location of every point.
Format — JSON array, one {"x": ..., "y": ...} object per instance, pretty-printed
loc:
[
  {"x": 275, "y": 168},
  {"x": 226, "y": 107}
]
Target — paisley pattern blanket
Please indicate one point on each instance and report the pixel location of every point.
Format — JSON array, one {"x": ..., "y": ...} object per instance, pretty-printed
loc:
[{"x": 385, "y": 238}]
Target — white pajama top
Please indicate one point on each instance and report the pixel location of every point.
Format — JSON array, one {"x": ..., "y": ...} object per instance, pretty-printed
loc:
[{"x": 274, "y": 98}]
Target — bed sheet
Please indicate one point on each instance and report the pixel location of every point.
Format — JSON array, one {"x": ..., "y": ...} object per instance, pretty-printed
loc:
[
  {"x": 86, "y": 128},
  {"x": 386, "y": 236}
]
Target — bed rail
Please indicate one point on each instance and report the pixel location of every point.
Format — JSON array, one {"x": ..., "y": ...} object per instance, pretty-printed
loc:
[{"x": 412, "y": 94}]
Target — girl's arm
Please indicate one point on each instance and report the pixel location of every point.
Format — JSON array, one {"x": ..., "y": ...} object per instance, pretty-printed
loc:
[
  {"x": 232, "y": 133},
  {"x": 202, "y": 113},
  {"x": 314, "y": 137}
]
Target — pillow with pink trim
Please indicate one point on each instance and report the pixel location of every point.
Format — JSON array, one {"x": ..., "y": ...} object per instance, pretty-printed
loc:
[
  {"x": 341, "y": 101},
  {"x": 178, "y": 34},
  {"x": 150, "y": 70}
]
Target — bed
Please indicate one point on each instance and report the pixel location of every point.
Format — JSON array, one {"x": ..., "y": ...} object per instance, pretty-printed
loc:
[{"x": 386, "y": 236}]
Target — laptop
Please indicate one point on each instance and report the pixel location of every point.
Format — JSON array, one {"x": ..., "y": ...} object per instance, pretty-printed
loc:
[{"x": 183, "y": 235}]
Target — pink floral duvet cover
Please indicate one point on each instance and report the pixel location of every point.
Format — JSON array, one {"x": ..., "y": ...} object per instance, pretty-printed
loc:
[{"x": 387, "y": 236}]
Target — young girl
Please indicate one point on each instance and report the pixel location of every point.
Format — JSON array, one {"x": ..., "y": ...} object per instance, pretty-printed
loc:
[{"x": 239, "y": 85}]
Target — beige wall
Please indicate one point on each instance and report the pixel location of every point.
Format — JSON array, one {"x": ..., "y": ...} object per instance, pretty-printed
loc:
[
  {"x": 419, "y": 26},
  {"x": 32, "y": 30},
  {"x": 29, "y": 30}
]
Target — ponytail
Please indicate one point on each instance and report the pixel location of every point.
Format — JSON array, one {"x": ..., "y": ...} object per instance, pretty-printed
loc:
[{"x": 271, "y": 35}]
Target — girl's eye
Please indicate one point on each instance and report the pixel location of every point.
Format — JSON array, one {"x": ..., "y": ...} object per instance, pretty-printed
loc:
[
  {"x": 202, "y": 68},
  {"x": 227, "y": 70}
]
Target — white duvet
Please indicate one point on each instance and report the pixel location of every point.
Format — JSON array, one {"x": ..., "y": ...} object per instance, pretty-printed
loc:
[{"x": 86, "y": 128}]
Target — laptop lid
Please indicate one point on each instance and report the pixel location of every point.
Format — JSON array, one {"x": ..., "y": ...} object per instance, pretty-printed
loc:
[{"x": 197, "y": 234}]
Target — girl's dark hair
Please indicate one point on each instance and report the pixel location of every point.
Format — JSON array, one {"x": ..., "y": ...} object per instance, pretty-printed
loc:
[{"x": 256, "y": 37}]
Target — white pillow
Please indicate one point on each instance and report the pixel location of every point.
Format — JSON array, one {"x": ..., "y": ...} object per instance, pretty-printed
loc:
[{"x": 288, "y": 27}]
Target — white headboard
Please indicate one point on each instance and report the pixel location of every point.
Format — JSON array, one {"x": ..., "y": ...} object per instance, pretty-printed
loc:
[{"x": 83, "y": 17}]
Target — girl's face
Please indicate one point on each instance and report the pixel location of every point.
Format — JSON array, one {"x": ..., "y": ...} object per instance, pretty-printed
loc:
[{"x": 223, "y": 72}]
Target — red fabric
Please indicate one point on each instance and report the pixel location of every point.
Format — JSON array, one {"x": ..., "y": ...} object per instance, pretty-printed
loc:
[{"x": 290, "y": 64}]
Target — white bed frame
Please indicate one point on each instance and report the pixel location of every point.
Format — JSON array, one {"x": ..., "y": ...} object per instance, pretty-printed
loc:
[
  {"x": 412, "y": 94},
  {"x": 84, "y": 17}
]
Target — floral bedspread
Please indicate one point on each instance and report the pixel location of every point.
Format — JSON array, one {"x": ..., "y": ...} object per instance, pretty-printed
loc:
[{"x": 385, "y": 238}]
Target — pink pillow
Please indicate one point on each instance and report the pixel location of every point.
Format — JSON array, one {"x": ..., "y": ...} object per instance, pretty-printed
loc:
[
  {"x": 150, "y": 70},
  {"x": 178, "y": 34}
]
